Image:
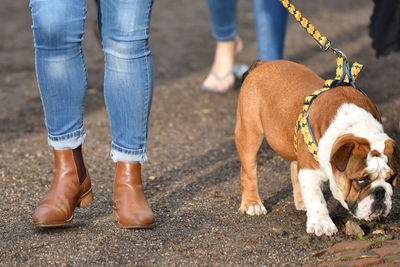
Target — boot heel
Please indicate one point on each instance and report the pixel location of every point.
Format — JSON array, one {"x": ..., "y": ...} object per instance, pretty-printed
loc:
[{"x": 86, "y": 199}]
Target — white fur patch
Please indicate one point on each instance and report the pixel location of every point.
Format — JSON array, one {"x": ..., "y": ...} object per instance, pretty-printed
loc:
[
  {"x": 318, "y": 220},
  {"x": 256, "y": 210},
  {"x": 364, "y": 207},
  {"x": 377, "y": 165}
]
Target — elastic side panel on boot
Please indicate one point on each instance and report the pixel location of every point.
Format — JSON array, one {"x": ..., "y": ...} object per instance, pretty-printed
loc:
[{"x": 80, "y": 165}]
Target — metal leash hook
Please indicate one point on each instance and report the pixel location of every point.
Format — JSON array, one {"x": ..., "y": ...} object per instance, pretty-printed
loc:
[
  {"x": 335, "y": 51},
  {"x": 346, "y": 65}
]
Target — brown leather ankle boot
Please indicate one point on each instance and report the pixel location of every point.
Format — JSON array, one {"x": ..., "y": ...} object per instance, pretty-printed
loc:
[
  {"x": 71, "y": 187},
  {"x": 131, "y": 209}
]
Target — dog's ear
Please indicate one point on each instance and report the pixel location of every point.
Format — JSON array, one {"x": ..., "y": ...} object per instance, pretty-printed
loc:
[
  {"x": 341, "y": 156},
  {"x": 344, "y": 147}
]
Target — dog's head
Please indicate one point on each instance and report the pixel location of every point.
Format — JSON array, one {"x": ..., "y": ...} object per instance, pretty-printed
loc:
[{"x": 363, "y": 177}]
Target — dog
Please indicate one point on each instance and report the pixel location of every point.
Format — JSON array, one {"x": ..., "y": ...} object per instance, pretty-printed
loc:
[{"x": 355, "y": 155}]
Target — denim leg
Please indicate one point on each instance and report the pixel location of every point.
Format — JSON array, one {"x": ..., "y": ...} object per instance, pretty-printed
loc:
[
  {"x": 270, "y": 17},
  {"x": 128, "y": 81},
  {"x": 223, "y": 19},
  {"x": 58, "y": 27}
]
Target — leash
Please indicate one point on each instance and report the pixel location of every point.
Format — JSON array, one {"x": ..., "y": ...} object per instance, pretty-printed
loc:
[
  {"x": 344, "y": 76},
  {"x": 320, "y": 39}
]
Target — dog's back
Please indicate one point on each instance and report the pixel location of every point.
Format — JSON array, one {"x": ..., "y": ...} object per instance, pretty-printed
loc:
[{"x": 273, "y": 94}]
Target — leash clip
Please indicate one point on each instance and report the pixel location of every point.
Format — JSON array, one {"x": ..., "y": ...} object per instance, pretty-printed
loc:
[
  {"x": 327, "y": 46},
  {"x": 339, "y": 53}
]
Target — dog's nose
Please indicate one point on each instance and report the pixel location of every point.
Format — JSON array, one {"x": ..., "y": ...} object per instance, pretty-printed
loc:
[{"x": 379, "y": 193}]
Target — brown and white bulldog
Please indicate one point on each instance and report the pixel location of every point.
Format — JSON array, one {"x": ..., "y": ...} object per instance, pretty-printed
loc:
[{"x": 355, "y": 155}]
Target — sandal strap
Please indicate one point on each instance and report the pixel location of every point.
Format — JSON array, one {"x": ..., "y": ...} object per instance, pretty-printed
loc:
[{"x": 223, "y": 77}]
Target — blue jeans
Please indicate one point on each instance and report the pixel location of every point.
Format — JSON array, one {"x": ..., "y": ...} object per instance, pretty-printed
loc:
[
  {"x": 270, "y": 17},
  {"x": 58, "y": 28}
]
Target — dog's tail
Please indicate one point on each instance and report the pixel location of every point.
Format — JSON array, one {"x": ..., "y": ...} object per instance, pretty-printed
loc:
[{"x": 252, "y": 67}]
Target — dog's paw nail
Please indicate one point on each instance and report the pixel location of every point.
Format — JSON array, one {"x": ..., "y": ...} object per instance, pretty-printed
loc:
[
  {"x": 256, "y": 210},
  {"x": 320, "y": 226},
  {"x": 264, "y": 210},
  {"x": 260, "y": 210},
  {"x": 330, "y": 230}
]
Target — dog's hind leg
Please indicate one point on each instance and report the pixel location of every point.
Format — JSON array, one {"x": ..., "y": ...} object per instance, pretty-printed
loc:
[
  {"x": 248, "y": 139},
  {"x": 298, "y": 200}
]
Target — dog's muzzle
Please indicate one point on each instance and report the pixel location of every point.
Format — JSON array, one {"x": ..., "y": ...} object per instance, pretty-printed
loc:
[
  {"x": 378, "y": 208},
  {"x": 374, "y": 206}
]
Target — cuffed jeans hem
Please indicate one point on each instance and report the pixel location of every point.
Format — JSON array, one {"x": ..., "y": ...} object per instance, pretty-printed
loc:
[
  {"x": 128, "y": 155},
  {"x": 226, "y": 38},
  {"x": 67, "y": 141}
]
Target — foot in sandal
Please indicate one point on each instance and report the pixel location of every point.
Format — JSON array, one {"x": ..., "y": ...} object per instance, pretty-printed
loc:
[{"x": 221, "y": 78}]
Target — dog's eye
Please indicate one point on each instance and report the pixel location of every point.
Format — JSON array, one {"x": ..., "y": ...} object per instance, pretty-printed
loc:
[{"x": 362, "y": 181}]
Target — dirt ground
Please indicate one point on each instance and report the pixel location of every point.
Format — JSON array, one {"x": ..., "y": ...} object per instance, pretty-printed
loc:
[{"x": 192, "y": 176}]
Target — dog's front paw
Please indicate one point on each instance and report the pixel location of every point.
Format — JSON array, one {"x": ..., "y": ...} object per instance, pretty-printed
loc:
[
  {"x": 320, "y": 225},
  {"x": 253, "y": 208}
]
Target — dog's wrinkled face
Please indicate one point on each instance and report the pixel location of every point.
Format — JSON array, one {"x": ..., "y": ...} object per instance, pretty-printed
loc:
[{"x": 363, "y": 177}]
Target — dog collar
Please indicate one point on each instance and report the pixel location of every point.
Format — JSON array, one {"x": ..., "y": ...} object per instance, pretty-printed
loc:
[{"x": 344, "y": 76}]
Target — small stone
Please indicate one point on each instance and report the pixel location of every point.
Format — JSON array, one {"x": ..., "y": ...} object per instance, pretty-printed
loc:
[
  {"x": 392, "y": 227},
  {"x": 276, "y": 231},
  {"x": 152, "y": 178},
  {"x": 378, "y": 232},
  {"x": 319, "y": 253},
  {"x": 352, "y": 228}
]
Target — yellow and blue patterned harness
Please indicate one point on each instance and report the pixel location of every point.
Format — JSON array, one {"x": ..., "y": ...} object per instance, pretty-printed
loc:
[{"x": 344, "y": 76}]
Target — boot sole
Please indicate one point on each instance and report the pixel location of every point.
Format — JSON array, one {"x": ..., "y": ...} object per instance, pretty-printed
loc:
[
  {"x": 83, "y": 201},
  {"x": 54, "y": 224},
  {"x": 127, "y": 226}
]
